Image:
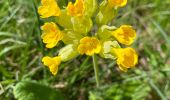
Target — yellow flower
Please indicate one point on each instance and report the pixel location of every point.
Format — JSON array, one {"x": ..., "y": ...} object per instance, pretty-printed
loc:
[
  {"x": 125, "y": 34},
  {"x": 117, "y": 3},
  {"x": 126, "y": 57},
  {"x": 51, "y": 34},
  {"x": 89, "y": 46},
  {"x": 76, "y": 9},
  {"x": 52, "y": 63},
  {"x": 49, "y": 8}
]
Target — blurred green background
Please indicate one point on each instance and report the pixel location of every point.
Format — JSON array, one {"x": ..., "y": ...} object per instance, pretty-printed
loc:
[{"x": 23, "y": 77}]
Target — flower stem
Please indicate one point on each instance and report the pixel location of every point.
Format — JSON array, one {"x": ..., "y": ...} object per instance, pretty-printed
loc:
[{"x": 96, "y": 71}]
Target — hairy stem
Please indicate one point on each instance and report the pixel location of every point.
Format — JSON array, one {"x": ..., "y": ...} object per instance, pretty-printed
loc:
[{"x": 96, "y": 71}]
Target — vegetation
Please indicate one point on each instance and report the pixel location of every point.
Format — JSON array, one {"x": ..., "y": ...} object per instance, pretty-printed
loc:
[{"x": 24, "y": 77}]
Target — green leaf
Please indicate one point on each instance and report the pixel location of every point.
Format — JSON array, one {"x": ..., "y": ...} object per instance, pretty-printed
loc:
[
  {"x": 132, "y": 90},
  {"x": 8, "y": 40},
  {"x": 5, "y": 72},
  {"x": 34, "y": 91},
  {"x": 93, "y": 96},
  {"x": 7, "y": 34},
  {"x": 7, "y": 49}
]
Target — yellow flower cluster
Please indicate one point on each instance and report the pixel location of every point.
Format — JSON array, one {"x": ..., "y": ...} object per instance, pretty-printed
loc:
[{"x": 73, "y": 26}]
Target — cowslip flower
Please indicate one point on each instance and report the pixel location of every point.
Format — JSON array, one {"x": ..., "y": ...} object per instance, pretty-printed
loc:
[
  {"x": 117, "y": 3},
  {"x": 49, "y": 8},
  {"x": 89, "y": 46},
  {"x": 80, "y": 20},
  {"x": 125, "y": 34},
  {"x": 52, "y": 63},
  {"x": 126, "y": 57},
  {"x": 51, "y": 34},
  {"x": 66, "y": 53},
  {"x": 76, "y": 9}
]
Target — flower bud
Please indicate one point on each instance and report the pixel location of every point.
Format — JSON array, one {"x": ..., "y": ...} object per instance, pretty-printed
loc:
[{"x": 68, "y": 52}]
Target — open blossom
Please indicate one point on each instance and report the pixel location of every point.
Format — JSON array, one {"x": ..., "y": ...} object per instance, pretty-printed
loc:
[
  {"x": 76, "y": 9},
  {"x": 51, "y": 34},
  {"x": 52, "y": 63},
  {"x": 89, "y": 46},
  {"x": 49, "y": 8},
  {"x": 125, "y": 34},
  {"x": 126, "y": 57},
  {"x": 117, "y": 3}
]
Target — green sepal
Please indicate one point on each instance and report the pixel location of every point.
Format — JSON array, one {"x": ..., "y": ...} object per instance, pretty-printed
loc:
[
  {"x": 71, "y": 37},
  {"x": 105, "y": 14},
  {"x": 107, "y": 47},
  {"x": 105, "y": 33},
  {"x": 90, "y": 7},
  {"x": 82, "y": 24},
  {"x": 64, "y": 20},
  {"x": 68, "y": 52}
]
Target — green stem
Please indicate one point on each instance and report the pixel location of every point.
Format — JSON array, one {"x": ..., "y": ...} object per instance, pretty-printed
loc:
[{"x": 96, "y": 71}]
